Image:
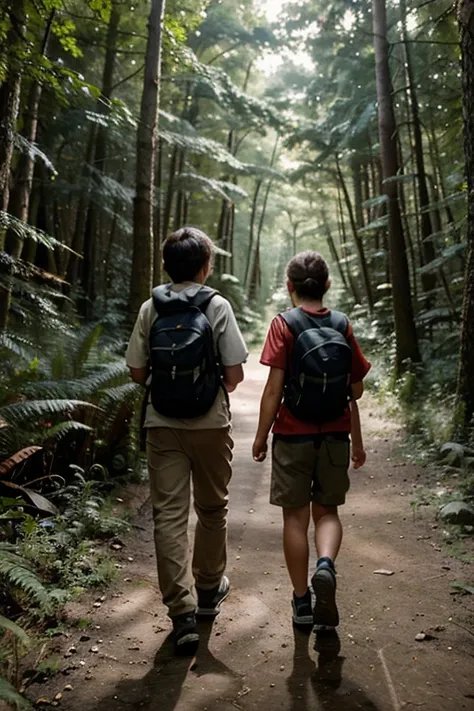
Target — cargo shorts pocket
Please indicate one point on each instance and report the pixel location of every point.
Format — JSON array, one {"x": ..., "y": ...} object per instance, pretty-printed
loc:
[
  {"x": 338, "y": 452},
  {"x": 331, "y": 477}
]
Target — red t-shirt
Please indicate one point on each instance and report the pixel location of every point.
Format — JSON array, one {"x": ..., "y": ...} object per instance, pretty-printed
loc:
[{"x": 277, "y": 354}]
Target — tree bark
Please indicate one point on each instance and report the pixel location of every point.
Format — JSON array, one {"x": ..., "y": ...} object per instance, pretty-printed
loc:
[
  {"x": 428, "y": 248},
  {"x": 92, "y": 226},
  {"x": 357, "y": 239},
  {"x": 333, "y": 250},
  {"x": 405, "y": 331},
  {"x": 147, "y": 134},
  {"x": 465, "y": 388},
  {"x": 9, "y": 105},
  {"x": 253, "y": 217},
  {"x": 19, "y": 204},
  {"x": 343, "y": 240}
]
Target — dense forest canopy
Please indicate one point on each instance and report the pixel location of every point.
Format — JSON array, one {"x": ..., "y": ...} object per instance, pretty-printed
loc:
[{"x": 273, "y": 126}]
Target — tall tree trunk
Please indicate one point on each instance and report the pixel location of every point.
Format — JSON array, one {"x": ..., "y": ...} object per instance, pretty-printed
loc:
[
  {"x": 19, "y": 204},
  {"x": 92, "y": 232},
  {"x": 142, "y": 260},
  {"x": 333, "y": 250},
  {"x": 357, "y": 239},
  {"x": 256, "y": 278},
  {"x": 74, "y": 263},
  {"x": 158, "y": 223},
  {"x": 343, "y": 240},
  {"x": 9, "y": 105},
  {"x": 253, "y": 218},
  {"x": 428, "y": 247},
  {"x": 405, "y": 331},
  {"x": 465, "y": 389}
]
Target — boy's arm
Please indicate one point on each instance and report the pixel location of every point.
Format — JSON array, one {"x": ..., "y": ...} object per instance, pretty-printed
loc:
[
  {"x": 269, "y": 406},
  {"x": 233, "y": 375},
  {"x": 358, "y": 453}
]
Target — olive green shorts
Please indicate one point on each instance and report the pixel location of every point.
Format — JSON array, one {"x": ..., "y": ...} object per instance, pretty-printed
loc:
[{"x": 310, "y": 469}]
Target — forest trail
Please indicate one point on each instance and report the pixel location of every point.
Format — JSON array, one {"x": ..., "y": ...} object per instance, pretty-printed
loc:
[{"x": 251, "y": 658}]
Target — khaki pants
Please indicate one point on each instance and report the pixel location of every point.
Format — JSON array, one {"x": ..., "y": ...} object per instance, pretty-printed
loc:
[{"x": 174, "y": 458}]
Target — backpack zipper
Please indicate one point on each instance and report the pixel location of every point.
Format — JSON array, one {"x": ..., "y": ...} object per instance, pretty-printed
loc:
[{"x": 325, "y": 380}]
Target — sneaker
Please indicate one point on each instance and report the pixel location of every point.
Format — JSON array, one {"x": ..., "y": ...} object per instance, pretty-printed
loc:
[
  {"x": 210, "y": 601},
  {"x": 302, "y": 612},
  {"x": 186, "y": 637},
  {"x": 325, "y": 614}
]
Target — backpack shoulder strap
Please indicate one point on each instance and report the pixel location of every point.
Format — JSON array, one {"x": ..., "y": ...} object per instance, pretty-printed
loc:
[
  {"x": 339, "y": 322},
  {"x": 165, "y": 300},
  {"x": 297, "y": 321}
]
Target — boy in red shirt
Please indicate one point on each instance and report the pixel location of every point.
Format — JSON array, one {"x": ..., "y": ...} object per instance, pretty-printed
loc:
[{"x": 312, "y": 413}]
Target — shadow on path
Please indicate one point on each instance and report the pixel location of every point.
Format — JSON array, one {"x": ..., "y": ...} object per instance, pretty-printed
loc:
[
  {"x": 325, "y": 678},
  {"x": 163, "y": 685}
]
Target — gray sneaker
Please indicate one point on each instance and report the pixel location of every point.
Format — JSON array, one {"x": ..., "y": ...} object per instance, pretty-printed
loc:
[
  {"x": 210, "y": 601},
  {"x": 325, "y": 613}
]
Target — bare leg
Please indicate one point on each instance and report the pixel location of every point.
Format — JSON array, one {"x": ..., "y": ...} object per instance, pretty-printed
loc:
[
  {"x": 296, "y": 547},
  {"x": 327, "y": 531}
]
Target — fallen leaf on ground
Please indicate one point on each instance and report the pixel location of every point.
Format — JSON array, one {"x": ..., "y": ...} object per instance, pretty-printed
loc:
[{"x": 383, "y": 572}]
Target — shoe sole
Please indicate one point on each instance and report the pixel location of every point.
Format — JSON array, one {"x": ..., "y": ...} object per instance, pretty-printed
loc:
[
  {"x": 188, "y": 644},
  {"x": 212, "y": 611},
  {"x": 325, "y": 613}
]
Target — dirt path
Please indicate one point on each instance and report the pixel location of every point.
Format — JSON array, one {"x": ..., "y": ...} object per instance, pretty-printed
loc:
[{"x": 251, "y": 658}]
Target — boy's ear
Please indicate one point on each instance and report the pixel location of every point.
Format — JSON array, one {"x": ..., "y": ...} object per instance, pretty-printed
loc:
[
  {"x": 328, "y": 286},
  {"x": 290, "y": 286}
]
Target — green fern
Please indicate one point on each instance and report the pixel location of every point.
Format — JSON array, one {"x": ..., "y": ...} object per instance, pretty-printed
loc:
[
  {"x": 23, "y": 412},
  {"x": 10, "y": 626},
  {"x": 92, "y": 336},
  {"x": 16, "y": 574},
  {"x": 10, "y": 695},
  {"x": 63, "y": 429}
]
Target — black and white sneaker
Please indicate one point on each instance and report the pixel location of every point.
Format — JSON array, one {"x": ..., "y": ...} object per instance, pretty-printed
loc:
[
  {"x": 186, "y": 636},
  {"x": 302, "y": 610},
  {"x": 325, "y": 613},
  {"x": 210, "y": 601}
]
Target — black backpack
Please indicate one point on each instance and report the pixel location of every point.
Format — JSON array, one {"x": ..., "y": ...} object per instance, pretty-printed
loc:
[
  {"x": 317, "y": 387},
  {"x": 185, "y": 370}
]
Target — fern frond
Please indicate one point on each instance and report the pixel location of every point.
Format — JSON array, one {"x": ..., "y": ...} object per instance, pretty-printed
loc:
[
  {"x": 15, "y": 629},
  {"x": 32, "y": 151},
  {"x": 22, "y": 412},
  {"x": 61, "y": 430},
  {"x": 210, "y": 186},
  {"x": 25, "y": 231},
  {"x": 89, "y": 341},
  {"x": 10, "y": 695},
  {"x": 128, "y": 392},
  {"x": 17, "y": 574}
]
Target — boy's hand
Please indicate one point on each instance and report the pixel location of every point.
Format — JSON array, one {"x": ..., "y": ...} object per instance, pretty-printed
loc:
[
  {"x": 359, "y": 457},
  {"x": 260, "y": 449}
]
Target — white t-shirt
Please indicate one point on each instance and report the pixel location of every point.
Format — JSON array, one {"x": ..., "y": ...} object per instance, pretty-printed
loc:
[{"x": 228, "y": 341}]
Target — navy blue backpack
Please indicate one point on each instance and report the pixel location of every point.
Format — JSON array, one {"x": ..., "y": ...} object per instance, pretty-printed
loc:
[
  {"x": 317, "y": 388},
  {"x": 185, "y": 369}
]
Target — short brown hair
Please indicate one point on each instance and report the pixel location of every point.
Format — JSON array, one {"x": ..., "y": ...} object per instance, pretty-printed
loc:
[
  {"x": 309, "y": 274},
  {"x": 185, "y": 253}
]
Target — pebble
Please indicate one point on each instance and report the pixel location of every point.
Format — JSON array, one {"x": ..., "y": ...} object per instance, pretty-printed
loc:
[
  {"x": 68, "y": 687},
  {"x": 94, "y": 650}
]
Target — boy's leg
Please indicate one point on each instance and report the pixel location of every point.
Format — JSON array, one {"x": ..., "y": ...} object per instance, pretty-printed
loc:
[
  {"x": 292, "y": 474},
  {"x": 296, "y": 547},
  {"x": 170, "y": 473},
  {"x": 331, "y": 482},
  {"x": 327, "y": 531},
  {"x": 211, "y": 471}
]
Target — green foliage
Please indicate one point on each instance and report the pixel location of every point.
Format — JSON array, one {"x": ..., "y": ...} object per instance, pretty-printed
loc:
[{"x": 10, "y": 695}]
